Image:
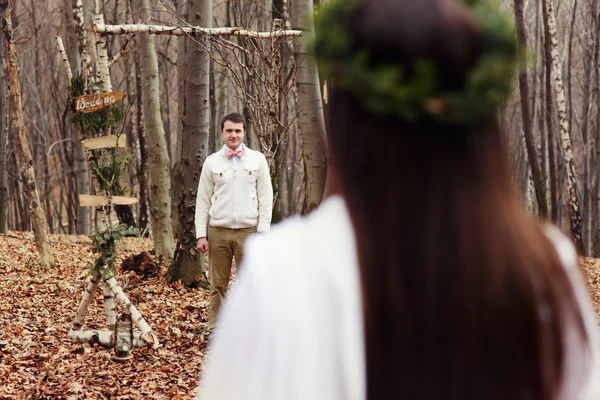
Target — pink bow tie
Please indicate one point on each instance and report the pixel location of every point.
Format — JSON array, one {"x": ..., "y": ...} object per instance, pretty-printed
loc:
[{"x": 230, "y": 153}]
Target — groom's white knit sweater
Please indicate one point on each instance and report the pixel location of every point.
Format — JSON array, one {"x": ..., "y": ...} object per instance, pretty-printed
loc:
[{"x": 239, "y": 196}]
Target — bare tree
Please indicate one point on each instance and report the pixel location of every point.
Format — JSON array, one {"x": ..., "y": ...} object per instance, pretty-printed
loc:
[
  {"x": 3, "y": 145},
  {"x": 596, "y": 171},
  {"x": 77, "y": 43},
  {"x": 24, "y": 159},
  {"x": 566, "y": 147},
  {"x": 311, "y": 120},
  {"x": 158, "y": 162},
  {"x": 189, "y": 262},
  {"x": 536, "y": 171}
]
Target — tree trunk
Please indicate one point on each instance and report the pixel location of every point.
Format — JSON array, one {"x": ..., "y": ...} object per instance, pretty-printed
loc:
[
  {"x": 23, "y": 153},
  {"x": 550, "y": 139},
  {"x": 310, "y": 119},
  {"x": 77, "y": 41},
  {"x": 182, "y": 8},
  {"x": 585, "y": 137},
  {"x": 537, "y": 103},
  {"x": 159, "y": 164},
  {"x": 182, "y": 63},
  {"x": 567, "y": 152},
  {"x": 189, "y": 262},
  {"x": 536, "y": 171},
  {"x": 596, "y": 187},
  {"x": 141, "y": 174},
  {"x": 3, "y": 145}
]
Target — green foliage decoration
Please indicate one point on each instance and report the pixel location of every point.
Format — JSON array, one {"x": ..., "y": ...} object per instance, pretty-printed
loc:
[
  {"x": 105, "y": 243},
  {"x": 107, "y": 164},
  {"x": 390, "y": 90},
  {"x": 94, "y": 123}
]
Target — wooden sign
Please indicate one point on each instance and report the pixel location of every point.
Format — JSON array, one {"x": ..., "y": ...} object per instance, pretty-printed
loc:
[
  {"x": 93, "y": 201},
  {"x": 104, "y": 142},
  {"x": 93, "y": 102}
]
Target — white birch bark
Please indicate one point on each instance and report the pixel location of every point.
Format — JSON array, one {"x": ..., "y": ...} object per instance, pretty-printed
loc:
[
  {"x": 110, "y": 307},
  {"x": 566, "y": 147},
  {"x": 106, "y": 86},
  {"x": 104, "y": 338},
  {"x": 188, "y": 31},
  {"x": 148, "y": 334},
  {"x": 102, "y": 60},
  {"x": 83, "y": 306},
  {"x": 78, "y": 56},
  {"x": 63, "y": 58}
]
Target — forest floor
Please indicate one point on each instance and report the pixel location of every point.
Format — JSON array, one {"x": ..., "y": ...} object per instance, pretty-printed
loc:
[{"x": 37, "y": 307}]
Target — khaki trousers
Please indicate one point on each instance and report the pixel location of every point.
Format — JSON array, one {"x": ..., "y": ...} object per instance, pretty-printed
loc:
[{"x": 223, "y": 245}]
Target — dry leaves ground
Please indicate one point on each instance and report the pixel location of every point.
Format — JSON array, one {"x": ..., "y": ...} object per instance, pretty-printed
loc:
[
  {"x": 591, "y": 272},
  {"x": 38, "y": 361}
]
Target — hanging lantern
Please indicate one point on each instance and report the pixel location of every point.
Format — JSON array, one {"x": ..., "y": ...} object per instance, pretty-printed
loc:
[{"x": 123, "y": 338}]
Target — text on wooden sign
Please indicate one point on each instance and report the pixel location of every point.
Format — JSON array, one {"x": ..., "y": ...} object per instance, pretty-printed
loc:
[{"x": 93, "y": 102}]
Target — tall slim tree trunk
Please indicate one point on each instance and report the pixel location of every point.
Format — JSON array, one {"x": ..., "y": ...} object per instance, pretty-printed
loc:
[
  {"x": 182, "y": 7},
  {"x": 3, "y": 145},
  {"x": 189, "y": 262},
  {"x": 588, "y": 70},
  {"x": 311, "y": 120},
  {"x": 23, "y": 153},
  {"x": 536, "y": 171},
  {"x": 567, "y": 152},
  {"x": 570, "y": 66},
  {"x": 596, "y": 187},
  {"x": 548, "y": 112},
  {"x": 142, "y": 174},
  {"x": 537, "y": 103},
  {"x": 158, "y": 163},
  {"x": 77, "y": 42}
]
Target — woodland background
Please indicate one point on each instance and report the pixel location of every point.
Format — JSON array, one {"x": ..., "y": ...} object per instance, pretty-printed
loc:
[
  {"x": 178, "y": 88},
  {"x": 231, "y": 78}
]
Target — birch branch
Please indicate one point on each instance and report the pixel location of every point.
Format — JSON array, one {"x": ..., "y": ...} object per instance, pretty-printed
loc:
[
  {"x": 147, "y": 334},
  {"x": 124, "y": 29},
  {"x": 104, "y": 338},
  {"x": 110, "y": 307},
  {"x": 84, "y": 304},
  {"x": 64, "y": 58},
  {"x": 124, "y": 50}
]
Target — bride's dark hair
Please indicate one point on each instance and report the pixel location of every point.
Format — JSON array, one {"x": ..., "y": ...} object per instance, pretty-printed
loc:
[{"x": 464, "y": 296}]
